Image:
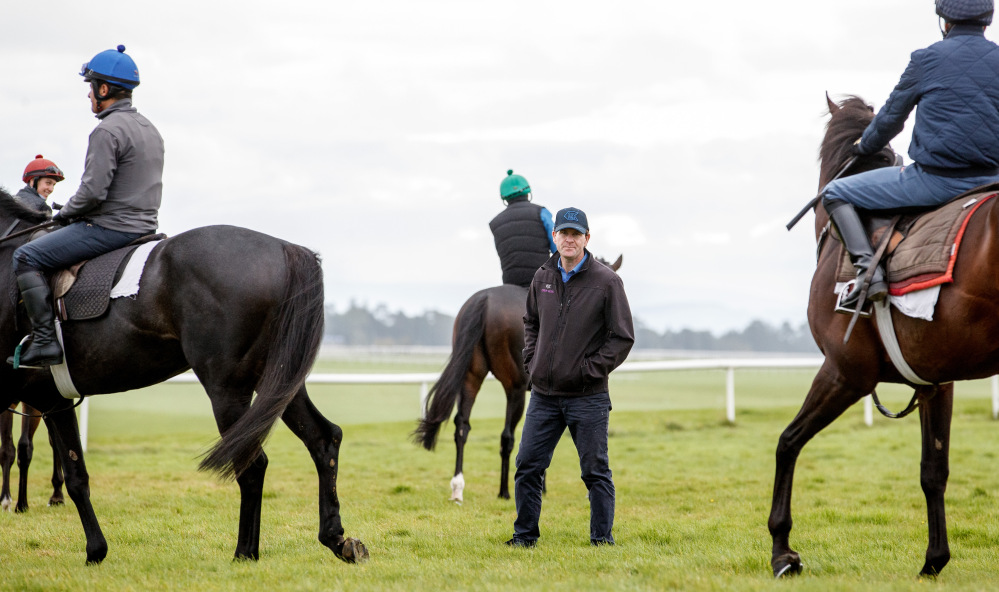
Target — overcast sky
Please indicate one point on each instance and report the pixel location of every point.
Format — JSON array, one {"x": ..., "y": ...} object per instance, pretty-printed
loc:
[{"x": 377, "y": 132}]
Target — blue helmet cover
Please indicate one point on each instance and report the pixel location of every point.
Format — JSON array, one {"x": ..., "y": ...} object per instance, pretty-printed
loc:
[{"x": 113, "y": 66}]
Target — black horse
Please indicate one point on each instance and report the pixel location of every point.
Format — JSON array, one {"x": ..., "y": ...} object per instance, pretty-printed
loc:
[
  {"x": 24, "y": 453},
  {"x": 488, "y": 337},
  {"x": 244, "y": 311}
]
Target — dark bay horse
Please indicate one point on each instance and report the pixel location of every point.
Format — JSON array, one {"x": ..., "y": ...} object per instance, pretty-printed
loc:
[
  {"x": 244, "y": 311},
  {"x": 959, "y": 344},
  {"x": 488, "y": 337},
  {"x": 24, "y": 453}
]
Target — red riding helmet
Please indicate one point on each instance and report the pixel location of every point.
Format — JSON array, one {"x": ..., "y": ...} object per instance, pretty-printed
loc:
[{"x": 42, "y": 167}]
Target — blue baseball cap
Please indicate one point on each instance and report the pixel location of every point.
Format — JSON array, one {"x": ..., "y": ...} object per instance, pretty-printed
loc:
[{"x": 574, "y": 218}]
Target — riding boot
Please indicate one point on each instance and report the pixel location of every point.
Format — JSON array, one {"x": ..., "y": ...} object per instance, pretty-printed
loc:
[
  {"x": 43, "y": 348},
  {"x": 854, "y": 236}
]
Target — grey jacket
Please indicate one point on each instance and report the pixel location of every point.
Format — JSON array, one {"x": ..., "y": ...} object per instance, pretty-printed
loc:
[{"x": 122, "y": 183}]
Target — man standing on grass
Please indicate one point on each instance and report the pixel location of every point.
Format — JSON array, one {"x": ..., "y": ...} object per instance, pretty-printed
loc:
[{"x": 577, "y": 329}]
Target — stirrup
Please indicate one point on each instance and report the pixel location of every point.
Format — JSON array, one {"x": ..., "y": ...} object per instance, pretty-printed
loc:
[{"x": 850, "y": 287}]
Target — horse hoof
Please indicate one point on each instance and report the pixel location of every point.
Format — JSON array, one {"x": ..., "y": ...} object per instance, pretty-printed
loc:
[
  {"x": 354, "y": 551},
  {"x": 787, "y": 565},
  {"x": 56, "y": 502}
]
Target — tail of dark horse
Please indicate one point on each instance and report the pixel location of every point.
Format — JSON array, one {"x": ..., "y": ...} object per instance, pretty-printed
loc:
[
  {"x": 296, "y": 333},
  {"x": 469, "y": 328}
]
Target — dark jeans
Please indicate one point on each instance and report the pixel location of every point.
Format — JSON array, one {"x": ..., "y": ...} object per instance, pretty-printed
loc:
[
  {"x": 68, "y": 246},
  {"x": 547, "y": 418}
]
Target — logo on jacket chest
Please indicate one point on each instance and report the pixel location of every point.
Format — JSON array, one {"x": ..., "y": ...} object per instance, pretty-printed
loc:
[{"x": 548, "y": 289}]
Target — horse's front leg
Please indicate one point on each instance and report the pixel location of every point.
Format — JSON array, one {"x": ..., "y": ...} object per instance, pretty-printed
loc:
[
  {"x": 66, "y": 438},
  {"x": 7, "y": 456},
  {"x": 57, "y": 498},
  {"x": 827, "y": 399},
  {"x": 936, "y": 406},
  {"x": 322, "y": 438},
  {"x": 515, "y": 399},
  {"x": 25, "y": 453}
]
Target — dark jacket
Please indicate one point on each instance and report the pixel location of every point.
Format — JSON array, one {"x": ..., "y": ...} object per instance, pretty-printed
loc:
[
  {"x": 31, "y": 198},
  {"x": 575, "y": 333},
  {"x": 956, "y": 84},
  {"x": 521, "y": 241}
]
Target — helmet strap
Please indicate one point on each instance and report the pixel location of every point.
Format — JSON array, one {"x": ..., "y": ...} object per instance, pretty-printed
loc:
[{"x": 95, "y": 87}]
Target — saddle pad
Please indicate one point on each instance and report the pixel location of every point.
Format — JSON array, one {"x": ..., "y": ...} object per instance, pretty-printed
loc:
[
  {"x": 925, "y": 257},
  {"x": 90, "y": 294}
]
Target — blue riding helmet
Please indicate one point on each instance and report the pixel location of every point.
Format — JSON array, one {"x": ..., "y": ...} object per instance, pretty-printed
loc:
[
  {"x": 113, "y": 66},
  {"x": 966, "y": 11}
]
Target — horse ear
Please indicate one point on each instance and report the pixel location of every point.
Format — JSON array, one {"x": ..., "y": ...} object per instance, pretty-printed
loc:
[
  {"x": 833, "y": 107},
  {"x": 617, "y": 264}
]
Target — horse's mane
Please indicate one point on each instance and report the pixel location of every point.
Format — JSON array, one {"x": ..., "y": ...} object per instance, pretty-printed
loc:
[
  {"x": 844, "y": 127},
  {"x": 15, "y": 208}
]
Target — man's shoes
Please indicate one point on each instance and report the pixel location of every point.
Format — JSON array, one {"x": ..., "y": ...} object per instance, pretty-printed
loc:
[
  {"x": 515, "y": 542},
  {"x": 601, "y": 543}
]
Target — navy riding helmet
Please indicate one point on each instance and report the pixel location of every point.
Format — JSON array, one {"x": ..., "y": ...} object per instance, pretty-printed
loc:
[{"x": 977, "y": 12}]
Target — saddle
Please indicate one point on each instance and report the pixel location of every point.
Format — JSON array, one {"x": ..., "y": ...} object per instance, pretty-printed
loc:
[
  {"x": 923, "y": 245},
  {"x": 83, "y": 291}
]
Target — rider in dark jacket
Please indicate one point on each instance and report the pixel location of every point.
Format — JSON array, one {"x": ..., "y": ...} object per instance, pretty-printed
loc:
[
  {"x": 522, "y": 232},
  {"x": 41, "y": 176},
  {"x": 117, "y": 202},
  {"x": 955, "y": 141}
]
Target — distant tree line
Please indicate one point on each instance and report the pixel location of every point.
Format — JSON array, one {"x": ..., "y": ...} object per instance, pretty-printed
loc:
[{"x": 358, "y": 325}]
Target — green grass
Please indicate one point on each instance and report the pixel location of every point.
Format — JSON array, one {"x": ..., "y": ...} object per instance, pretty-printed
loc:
[{"x": 693, "y": 498}]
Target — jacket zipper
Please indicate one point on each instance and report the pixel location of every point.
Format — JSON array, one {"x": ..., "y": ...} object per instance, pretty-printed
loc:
[{"x": 563, "y": 307}]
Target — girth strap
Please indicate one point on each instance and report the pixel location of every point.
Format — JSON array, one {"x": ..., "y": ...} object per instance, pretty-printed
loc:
[{"x": 882, "y": 313}]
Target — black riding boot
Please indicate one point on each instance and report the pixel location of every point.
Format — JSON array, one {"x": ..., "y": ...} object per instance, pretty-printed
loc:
[
  {"x": 43, "y": 348},
  {"x": 854, "y": 236}
]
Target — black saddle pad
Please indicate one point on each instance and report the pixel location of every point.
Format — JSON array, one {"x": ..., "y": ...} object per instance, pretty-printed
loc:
[{"x": 90, "y": 294}]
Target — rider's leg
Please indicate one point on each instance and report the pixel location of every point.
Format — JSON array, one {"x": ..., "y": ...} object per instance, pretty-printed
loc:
[{"x": 854, "y": 236}]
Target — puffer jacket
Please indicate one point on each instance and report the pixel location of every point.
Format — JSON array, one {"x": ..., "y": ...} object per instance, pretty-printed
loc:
[
  {"x": 955, "y": 82},
  {"x": 575, "y": 333}
]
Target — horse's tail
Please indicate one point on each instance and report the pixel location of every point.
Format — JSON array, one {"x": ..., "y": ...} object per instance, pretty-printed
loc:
[
  {"x": 469, "y": 328},
  {"x": 296, "y": 332}
]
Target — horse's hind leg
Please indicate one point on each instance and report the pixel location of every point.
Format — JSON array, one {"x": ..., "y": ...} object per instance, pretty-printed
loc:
[
  {"x": 7, "y": 456},
  {"x": 57, "y": 498},
  {"x": 229, "y": 403},
  {"x": 322, "y": 438},
  {"x": 25, "y": 453},
  {"x": 827, "y": 399},
  {"x": 66, "y": 437},
  {"x": 935, "y": 410},
  {"x": 474, "y": 376}
]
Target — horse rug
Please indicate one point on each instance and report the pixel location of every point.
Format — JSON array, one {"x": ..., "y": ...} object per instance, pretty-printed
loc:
[{"x": 922, "y": 251}]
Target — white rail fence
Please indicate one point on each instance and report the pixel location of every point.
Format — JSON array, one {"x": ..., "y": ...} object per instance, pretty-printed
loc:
[{"x": 729, "y": 365}]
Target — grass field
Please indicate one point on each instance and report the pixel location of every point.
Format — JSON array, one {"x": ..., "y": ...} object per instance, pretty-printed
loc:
[{"x": 693, "y": 497}]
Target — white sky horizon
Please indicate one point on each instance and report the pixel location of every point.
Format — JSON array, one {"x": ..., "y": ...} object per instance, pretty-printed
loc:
[{"x": 377, "y": 133}]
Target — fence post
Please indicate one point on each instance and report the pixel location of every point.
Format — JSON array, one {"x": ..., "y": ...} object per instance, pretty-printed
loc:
[
  {"x": 995, "y": 396},
  {"x": 84, "y": 422},
  {"x": 868, "y": 410},
  {"x": 424, "y": 393},
  {"x": 730, "y": 394}
]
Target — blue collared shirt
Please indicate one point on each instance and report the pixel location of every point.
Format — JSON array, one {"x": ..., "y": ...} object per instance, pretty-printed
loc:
[{"x": 567, "y": 275}]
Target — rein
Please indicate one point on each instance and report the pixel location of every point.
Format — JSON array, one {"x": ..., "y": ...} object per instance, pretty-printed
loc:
[
  {"x": 6, "y": 236},
  {"x": 47, "y": 413},
  {"x": 815, "y": 200}
]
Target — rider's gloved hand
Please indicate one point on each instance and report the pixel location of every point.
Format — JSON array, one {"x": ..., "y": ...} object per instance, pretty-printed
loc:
[
  {"x": 61, "y": 220},
  {"x": 855, "y": 149}
]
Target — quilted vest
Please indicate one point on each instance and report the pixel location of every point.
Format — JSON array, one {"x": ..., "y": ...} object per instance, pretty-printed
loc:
[{"x": 521, "y": 241}]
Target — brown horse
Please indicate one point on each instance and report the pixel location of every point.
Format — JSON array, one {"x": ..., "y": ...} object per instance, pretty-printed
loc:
[
  {"x": 488, "y": 337},
  {"x": 24, "y": 452},
  {"x": 959, "y": 344}
]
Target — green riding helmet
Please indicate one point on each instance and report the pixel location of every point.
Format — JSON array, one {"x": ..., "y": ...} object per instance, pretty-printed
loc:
[{"x": 513, "y": 186}]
